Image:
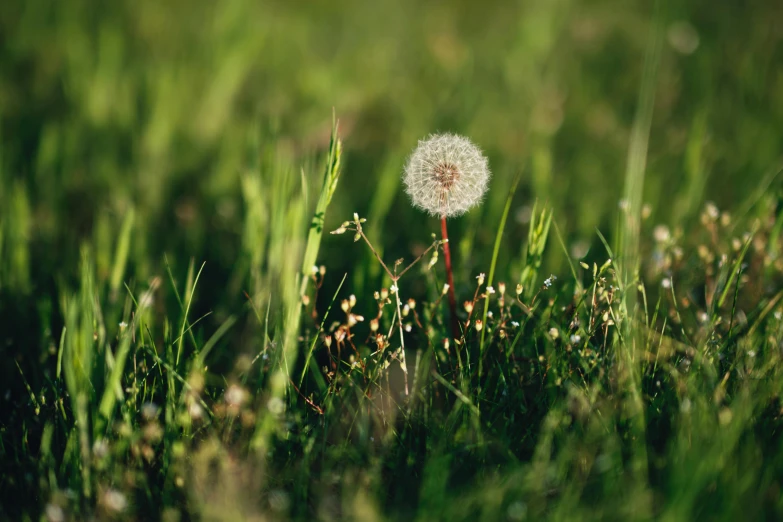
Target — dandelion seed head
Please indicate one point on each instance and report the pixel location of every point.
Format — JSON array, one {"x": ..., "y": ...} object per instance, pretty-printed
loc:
[{"x": 446, "y": 175}]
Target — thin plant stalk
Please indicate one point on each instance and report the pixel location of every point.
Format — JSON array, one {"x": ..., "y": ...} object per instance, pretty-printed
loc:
[{"x": 449, "y": 279}]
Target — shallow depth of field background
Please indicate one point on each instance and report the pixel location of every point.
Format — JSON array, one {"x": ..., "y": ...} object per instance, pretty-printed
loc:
[
  {"x": 161, "y": 105},
  {"x": 163, "y": 108}
]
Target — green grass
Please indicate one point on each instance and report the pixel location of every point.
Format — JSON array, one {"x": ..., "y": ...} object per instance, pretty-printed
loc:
[{"x": 183, "y": 340}]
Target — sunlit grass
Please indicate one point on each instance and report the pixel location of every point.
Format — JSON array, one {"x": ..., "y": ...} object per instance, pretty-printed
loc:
[{"x": 184, "y": 341}]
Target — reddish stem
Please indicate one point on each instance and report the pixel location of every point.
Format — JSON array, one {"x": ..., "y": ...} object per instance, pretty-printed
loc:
[{"x": 450, "y": 280}]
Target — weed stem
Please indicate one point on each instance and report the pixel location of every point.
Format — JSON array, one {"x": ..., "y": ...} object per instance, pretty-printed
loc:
[{"x": 449, "y": 279}]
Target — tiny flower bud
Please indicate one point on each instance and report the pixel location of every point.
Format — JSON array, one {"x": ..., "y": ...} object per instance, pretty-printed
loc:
[
  {"x": 480, "y": 278},
  {"x": 519, "y": 289},
  {"x": 345, "y": 305},
  {"x": 445, "y": 289},
  {"x": 502, "y": 288},
  {"x": 433, "y": 260},
  {"x": 468, "y": 306},
  {"x": 479, "y": 325}
]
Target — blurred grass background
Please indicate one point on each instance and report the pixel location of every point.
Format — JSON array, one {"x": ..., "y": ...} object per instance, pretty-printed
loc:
[
  {"x": 158, "y": 106},
  {"x": 156, "y": 118}
]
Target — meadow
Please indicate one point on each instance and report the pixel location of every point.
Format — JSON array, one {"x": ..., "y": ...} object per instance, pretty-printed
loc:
[{"x": 217, "y": 301}]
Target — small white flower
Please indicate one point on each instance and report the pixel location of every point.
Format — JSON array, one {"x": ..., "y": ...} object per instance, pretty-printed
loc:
[
  {"x": 712, "y": 210},
  {"x": 480, "y": 278},
  {"x": 666, "y": 282},
  {"x": 276, "y": 405},
  {"x": 235, "y": 395},
  {"x": 661, "y": 233},
  {"x": 114, "y": 500},
  {"x": 515, "y": 324},
  {"x": 490, "y": 290},
  {"x": 393, "y": 289},
  {"x": 54, "y": 513},
  {"x": 446, "y": 175}
]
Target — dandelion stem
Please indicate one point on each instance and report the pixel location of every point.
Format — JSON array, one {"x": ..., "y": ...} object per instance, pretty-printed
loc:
[{"x": 449, "y": 279}]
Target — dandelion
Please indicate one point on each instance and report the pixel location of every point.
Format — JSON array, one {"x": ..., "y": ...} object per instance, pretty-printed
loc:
[{"x": 446, "y": 175}]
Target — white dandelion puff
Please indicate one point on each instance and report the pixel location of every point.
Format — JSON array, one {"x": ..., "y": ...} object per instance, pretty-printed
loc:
[{"x": 446, "y": 175}]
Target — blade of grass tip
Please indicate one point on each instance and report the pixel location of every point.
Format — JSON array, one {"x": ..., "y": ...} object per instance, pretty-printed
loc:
[
  {"x": 538, "y": 236},
  {"x": 331, "y": 177},
  {"x": 493, "y": 264},
  {"x": 60, "y": 352},
  {"x": 606, "y": 244},
  {"x": 734, "y": 271},
  {"x": 121, "y": 254},
  {"x": 176, "y": 291},
  {"x": 184, "y": 324},
  {"x": 762, "y": 188},
  {"x": 219, "y": 333},
  {"x": 113, "y": 388},
  {"x": 734, "y": 304},
  {"x": 568, "y": 258},
  {"x": 767, "y": 309},
  {"x": 320, "y": 329}
]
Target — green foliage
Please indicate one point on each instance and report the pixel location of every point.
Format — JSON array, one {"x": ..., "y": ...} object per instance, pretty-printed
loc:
[{"x": 182, "y": 341}]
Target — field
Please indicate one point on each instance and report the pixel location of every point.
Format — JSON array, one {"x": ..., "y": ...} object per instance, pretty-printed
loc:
[{"x": 217, "y": 301}]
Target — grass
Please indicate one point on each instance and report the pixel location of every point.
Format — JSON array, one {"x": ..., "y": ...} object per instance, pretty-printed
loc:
[{"x": 184, "y": 341}]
